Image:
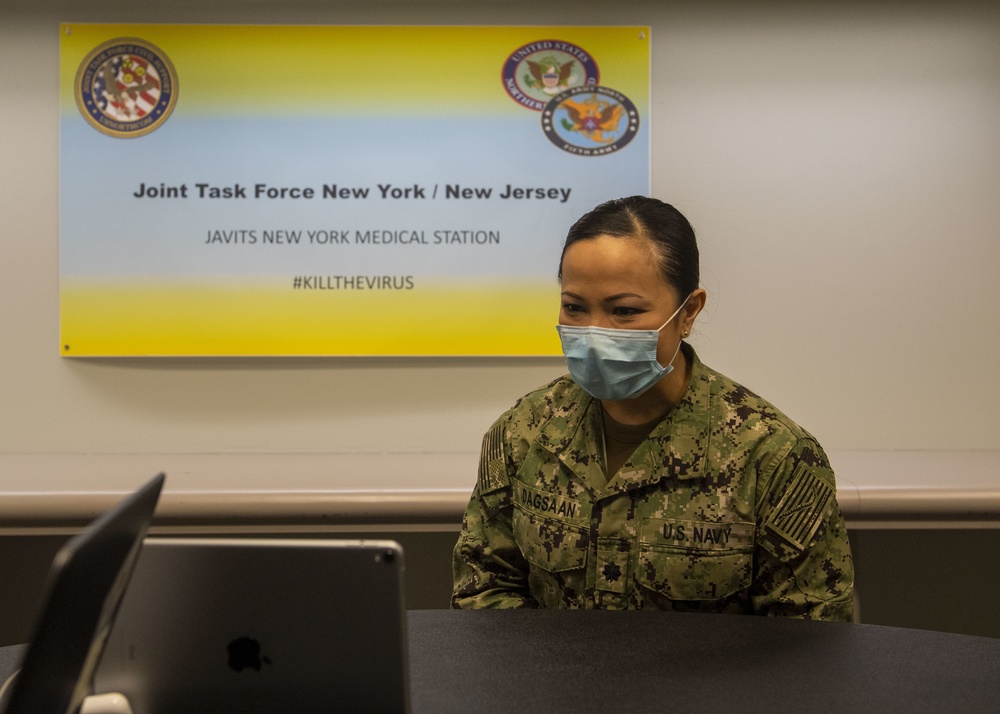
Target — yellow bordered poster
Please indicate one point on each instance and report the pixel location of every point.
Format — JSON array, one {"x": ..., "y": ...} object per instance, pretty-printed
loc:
[{"x": 332, "y": 190}]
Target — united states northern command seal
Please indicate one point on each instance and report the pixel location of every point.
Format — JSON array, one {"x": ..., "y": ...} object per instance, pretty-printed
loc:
[
  {"x": 537, "y": 71},
  {"x": 126, "y": 87},
  {"x": 590, "y": 121}
]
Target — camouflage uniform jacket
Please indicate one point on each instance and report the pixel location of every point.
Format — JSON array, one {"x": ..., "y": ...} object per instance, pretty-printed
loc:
[{"x": 727, "y": 506}]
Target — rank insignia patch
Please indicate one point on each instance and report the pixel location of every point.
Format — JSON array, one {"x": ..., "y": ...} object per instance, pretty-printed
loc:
[{"x": 126, "y": 87}]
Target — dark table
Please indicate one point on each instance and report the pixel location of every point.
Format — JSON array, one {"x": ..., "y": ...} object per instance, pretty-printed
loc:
[
  {"x": 598, "y": 661},
  {"x": 594, "y": 661}
]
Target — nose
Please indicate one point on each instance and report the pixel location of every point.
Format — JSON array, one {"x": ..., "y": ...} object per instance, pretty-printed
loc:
[{"x": 599, "y": 320}]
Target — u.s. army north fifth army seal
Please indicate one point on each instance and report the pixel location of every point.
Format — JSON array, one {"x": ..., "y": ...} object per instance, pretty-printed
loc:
[
  {"x": 126, "y": 88},
  {"x": 590, "y": 121}
]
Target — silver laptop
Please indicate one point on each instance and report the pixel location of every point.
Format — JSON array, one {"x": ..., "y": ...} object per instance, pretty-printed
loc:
[
  {"x": 85, "y": 587},
  {"x": 261, "y": 625}
]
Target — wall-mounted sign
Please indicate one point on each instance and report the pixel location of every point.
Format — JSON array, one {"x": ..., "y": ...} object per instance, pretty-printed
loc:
[{"x": 313, "y": 190}]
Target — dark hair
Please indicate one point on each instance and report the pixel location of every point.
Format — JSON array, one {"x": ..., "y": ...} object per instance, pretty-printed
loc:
[{"x": 666, "y": 228}]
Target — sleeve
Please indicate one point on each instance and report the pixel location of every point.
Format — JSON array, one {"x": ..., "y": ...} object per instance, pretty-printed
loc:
[
  {"x": 803, "y": 565},
  {"x": 488, "y": 567}
]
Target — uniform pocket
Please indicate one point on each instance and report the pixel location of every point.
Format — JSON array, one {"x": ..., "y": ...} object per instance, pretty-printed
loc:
[
  {"x": 557, "y": 554},
  {"x": 695, "y": 561},
  {"x": 550, "y": 544},
  {"x": 691, "y": 575}
]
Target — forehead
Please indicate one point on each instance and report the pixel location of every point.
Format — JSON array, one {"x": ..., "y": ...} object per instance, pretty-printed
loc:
[{"x": 613, "y": 264}]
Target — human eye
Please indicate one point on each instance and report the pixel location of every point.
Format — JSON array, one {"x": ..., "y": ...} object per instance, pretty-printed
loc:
[
  {"x": 572, "y": 308},
  {"x": 624, "y": 311}
]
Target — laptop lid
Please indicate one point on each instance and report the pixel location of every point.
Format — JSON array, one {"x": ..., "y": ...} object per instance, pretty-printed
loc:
[
  {"x": 261, "y": 625},
  {"x": 84, "y": 588}
]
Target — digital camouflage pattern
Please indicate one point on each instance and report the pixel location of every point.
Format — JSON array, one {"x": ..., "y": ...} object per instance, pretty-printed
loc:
[{"x": 727, "y": 506}]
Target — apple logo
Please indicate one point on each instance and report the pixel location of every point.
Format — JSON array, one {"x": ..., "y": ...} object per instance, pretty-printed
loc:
[{"x": 244, "y": 653}]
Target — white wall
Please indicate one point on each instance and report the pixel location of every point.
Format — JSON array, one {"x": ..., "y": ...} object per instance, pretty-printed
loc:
[{"x": 840, "y": 163}]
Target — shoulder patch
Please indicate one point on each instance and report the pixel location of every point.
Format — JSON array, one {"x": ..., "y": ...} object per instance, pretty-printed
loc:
[
  {"x": 794, "y": 523},
  {"x": 492, "y": 463}
]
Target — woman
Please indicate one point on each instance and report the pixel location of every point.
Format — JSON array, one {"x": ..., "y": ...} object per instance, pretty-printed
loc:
[{"x": 645, "y": 479}]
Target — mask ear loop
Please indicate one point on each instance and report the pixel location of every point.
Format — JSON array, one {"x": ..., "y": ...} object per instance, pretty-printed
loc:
[
  {"x": 669, "y": 319},
  {"x": 680, "y": 307},
  {"x": 679, "y": 343}
]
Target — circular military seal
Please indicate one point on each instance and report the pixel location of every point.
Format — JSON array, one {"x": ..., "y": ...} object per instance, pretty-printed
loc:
[
  {"x": 126, "y": 88},
  {"x": 590, "y": 121},
  {"x": 537, "y": 71}
]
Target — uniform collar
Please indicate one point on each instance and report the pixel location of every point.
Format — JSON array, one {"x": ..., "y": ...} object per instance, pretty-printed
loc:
[
  {"x": 574, "y": 435},
  {"x": 676, "y": 448}
]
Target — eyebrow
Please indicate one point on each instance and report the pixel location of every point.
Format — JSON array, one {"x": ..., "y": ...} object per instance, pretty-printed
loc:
[{"x": 609, "y": 298}]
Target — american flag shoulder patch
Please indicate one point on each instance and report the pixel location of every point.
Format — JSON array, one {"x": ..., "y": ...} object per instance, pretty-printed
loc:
[
  {"x": 802, "y": 509},
  {"x": 492, "y": 464}
]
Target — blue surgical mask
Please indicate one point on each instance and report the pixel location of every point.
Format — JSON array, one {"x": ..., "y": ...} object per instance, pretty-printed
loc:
[{"x": 615, "y": 364}]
